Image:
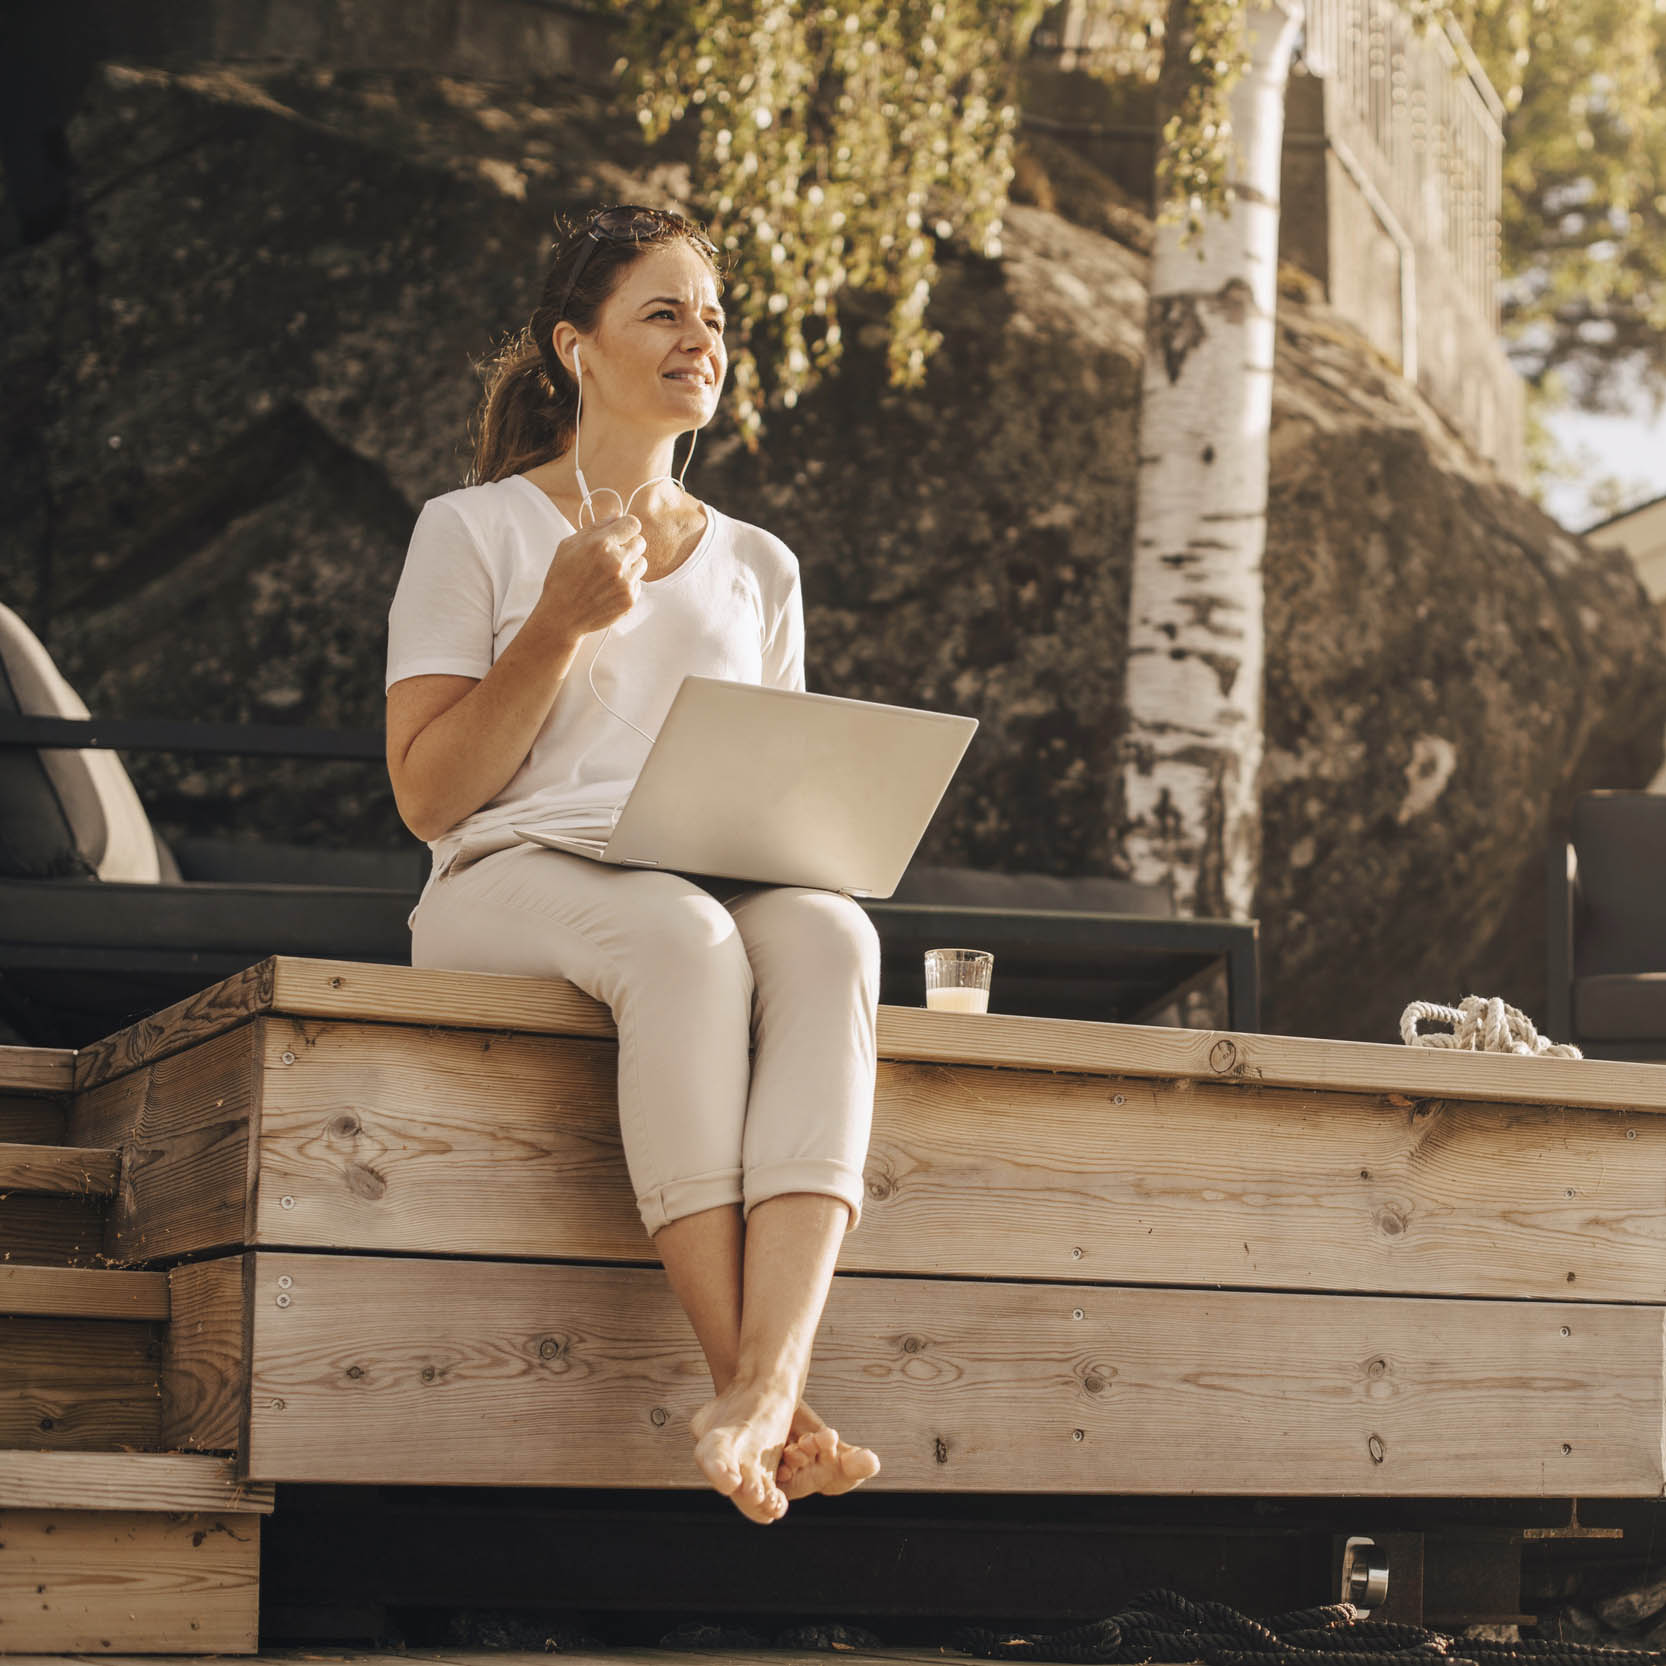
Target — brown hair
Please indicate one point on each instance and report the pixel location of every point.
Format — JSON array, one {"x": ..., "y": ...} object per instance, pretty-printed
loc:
[{"x": 529, "y": 401}]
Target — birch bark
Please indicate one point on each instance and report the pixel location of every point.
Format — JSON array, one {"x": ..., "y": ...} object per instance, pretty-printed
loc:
[{"x": 1191, "y": 756}]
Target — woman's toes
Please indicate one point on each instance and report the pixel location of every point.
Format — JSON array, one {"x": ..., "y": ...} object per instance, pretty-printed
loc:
[{"x": 859, "y": 1464}]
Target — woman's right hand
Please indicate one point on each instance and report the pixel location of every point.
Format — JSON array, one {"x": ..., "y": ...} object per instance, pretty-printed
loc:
[{"x": 595, "y": 575}]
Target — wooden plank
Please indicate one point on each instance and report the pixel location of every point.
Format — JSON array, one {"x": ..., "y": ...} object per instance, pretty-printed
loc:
[
  {"x": 32, "y": 1070},
  {"x": 33, "y": 1121},
  {"x": 78, "y": 1385},
  {"x": 384, "y": 1370},
  {"x": 83, "y": 1292},
  {"x": 106, "y": 1581},
  {"x": 387, "y": 1137},
  {"x": 475, "y": 1000},
  {"x": 126, "y": 1481},
  {"x": 51, "y": 1231},
  {"x": 204, "y": 1362},
  {"x": 58, "y": 1170},
  {"x": 219, "y": 1007},
  {"x": 182, "y": 1126}
]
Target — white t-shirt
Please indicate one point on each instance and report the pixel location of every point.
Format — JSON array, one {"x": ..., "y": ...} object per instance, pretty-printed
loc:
[{"x": 474, "y": 572}]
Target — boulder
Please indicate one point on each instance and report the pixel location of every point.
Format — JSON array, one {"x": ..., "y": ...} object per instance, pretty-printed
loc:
[{"x": 248, "y": 359}]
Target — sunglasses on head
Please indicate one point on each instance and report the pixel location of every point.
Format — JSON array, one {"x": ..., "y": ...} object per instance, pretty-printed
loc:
[{"x": 630, "y": 223}]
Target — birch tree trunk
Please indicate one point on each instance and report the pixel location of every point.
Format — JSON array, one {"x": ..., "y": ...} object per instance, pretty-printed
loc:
[{"x": 1191, "y": 758}]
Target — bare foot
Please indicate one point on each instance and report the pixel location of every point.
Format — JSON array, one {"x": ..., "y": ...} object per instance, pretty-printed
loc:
[
  {"x": 738, "y": 1441},
  {"x": 816, "y": 1460}
]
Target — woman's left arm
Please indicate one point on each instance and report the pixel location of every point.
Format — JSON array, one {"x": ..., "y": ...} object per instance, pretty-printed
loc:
[{"x": 783, "y": 655}]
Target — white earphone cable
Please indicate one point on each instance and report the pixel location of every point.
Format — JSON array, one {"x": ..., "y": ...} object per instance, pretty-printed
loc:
[{"x": 586, "y": 501}]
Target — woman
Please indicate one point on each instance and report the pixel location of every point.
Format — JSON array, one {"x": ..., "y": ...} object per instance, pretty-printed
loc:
[{"x": 545, "y": 617}]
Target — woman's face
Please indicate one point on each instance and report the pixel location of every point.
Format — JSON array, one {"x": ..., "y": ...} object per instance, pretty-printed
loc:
[{"x": 656, "y": 354}]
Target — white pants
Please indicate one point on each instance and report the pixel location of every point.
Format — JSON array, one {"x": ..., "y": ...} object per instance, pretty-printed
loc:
[{"x": 696, "y": 975}]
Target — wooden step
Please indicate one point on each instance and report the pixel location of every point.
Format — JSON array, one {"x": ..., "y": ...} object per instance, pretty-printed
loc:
[
  {"x": 83, "y": 1293},
  {"x": 105, "y": 1553},
  {"x": 32, "y": 1117},
  {"x": 37, "y": 1070},
  {"x": 127, "y": 1481},
  {"x": 58, "y": 1170}
]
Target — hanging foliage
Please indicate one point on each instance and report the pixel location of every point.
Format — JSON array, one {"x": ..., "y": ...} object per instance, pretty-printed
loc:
[{"x": 838, "y": 146}]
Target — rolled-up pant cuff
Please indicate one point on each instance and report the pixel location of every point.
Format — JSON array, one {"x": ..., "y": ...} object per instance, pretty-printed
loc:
[
  {"x": 677, "y": 1198},
  {"x": 806, "y": 1174}
]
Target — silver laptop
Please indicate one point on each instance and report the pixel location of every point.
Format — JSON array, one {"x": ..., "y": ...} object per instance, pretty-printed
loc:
[{"x": 782, "y": 788}]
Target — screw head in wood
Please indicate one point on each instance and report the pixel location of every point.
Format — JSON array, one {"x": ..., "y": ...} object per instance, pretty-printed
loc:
[
  {"x": 286, "y": 1282},
  {"x": 1078, "y": 1314},
  {"x": 287, "y": 1202},
  {"x": 287, "y": 1058},
  {"x": 1078, "y": 1434},
  {"x": 283, "y": 1301}
]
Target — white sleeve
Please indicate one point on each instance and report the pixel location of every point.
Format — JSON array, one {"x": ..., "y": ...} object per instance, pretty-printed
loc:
[
  {"x": 442, "y": 617},
  {"x": 784, "y": 648}
]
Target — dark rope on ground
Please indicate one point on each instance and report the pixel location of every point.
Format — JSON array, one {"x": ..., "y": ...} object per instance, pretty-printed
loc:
[{"x": 1164, "y": 1626}]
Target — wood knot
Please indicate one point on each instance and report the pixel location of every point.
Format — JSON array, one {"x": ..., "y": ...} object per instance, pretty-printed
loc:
[
  {"x": 1094, "y": 1385},
  {"x": 880, "y": 1188},
  {"x": 549, "y": 1348},
  {"x": 363, "y": 1181},
  {"x": 355, "y": 1372},
  {"x": 659, "y": 1417},
  {"x": 1377, "y": 1368},
  {"x": 345, "y": 1127},
  {"x": 912, "y": 1344},
  {"x": 1223, "y": 1056},
  {"x": 1377, "y": 1448},
  {"x": 1392, "y": 1222},
  {"x": 941, "y": 1448}
]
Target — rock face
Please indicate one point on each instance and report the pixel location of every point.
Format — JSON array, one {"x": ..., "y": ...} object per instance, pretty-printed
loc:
[{"x": 247, "y": 360}]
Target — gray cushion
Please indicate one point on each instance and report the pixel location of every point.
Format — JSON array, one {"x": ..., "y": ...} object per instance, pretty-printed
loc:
[
  {"x": 1621, "y": 1007},
  {"x": 1620, "y": 840},
  {"x": 973, "y": 888},
  {"x": 252, "y": 862},
  {"x": 253, "y": 921},
  {"x": 35, "y": 837}
]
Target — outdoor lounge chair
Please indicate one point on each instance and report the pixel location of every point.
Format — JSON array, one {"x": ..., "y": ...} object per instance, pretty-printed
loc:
[
  {"x": 102, "y": 922},
  {"x": 1608, "y": 927}
]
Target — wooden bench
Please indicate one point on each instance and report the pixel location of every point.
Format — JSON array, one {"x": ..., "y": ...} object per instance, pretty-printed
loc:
[
  {"x": 386, "y": 1216},
  {"x": 1119, "y": 1259}
]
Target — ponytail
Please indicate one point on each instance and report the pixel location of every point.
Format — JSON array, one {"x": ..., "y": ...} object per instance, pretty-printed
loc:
[{"x": 524, "y": 419}]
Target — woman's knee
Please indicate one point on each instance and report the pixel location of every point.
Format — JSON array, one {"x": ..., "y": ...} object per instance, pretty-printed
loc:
[
  {"x": 690, "y": 946},
  {"x": 821, "y": 931}
]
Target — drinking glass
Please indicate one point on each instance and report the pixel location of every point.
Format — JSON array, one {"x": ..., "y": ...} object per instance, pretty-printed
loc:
[{"x": 957, "y": 980}]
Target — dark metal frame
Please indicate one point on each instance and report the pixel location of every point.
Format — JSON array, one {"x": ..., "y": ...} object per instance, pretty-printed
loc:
[
  {"x": 1233, "y": 944},
  {"x": 253, "y": 740}
]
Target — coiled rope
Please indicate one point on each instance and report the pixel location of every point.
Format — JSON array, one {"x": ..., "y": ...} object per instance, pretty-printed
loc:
[
  {"x": 1164, "y": 1626},
  {"x": 1481, "y": 1025}
]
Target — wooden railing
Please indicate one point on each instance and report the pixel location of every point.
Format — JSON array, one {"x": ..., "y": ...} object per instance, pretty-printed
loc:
[
  {"x": 1421, "y": 106},
  {"x": 1416, "y": 115}
]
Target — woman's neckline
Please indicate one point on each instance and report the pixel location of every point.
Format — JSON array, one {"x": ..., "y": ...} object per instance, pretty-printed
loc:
[{"x": 700, "y": 548}]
